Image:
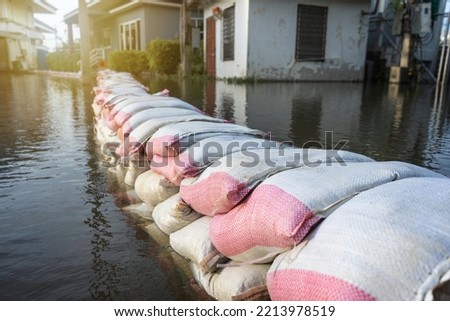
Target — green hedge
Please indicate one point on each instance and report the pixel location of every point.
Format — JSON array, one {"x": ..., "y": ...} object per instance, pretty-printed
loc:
[
  {"x": 163, "y": 56},
  {"x": 63, "y": 61},
  {"x": 133, "y": 61}
]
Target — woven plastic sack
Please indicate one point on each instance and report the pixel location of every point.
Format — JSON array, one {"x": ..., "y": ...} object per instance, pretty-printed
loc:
[
  {"x": 193, "y": 243},
  {"x": 228, "y": 181},
  {"x": 138, "y": 137},
  {"x": 153, "y": 188},
  {"x": 173, "y": 214},
  {"x": 389, "y": 243},
  {"x": 153, "y": 113},
  {"x": 165, "y": 141},
  {"x": 200, "y": 155},
  {"x": 281, "y": 211},
  {"x": 242, "y": 283},
  {"x": 123, "y": 111}
]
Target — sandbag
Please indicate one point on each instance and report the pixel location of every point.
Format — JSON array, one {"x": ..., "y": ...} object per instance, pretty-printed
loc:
[
  {"x": 173, "y": 214},
  {"x": 242, "y": 283},
  {"x": 153, "y": 188},
  {"x": 281, "y": 211},
  {"x": 153, "y": 113},
  {"x": 128, "y": 111},
  {"x": 167, "y": 140},
  {"x": 201, "y": 154},
  {"x": 138, "y": 137},
  {"x": 391, "y": 242},
  {"x": 226, "y": 182},
  {"x": 193, "y": 243}
]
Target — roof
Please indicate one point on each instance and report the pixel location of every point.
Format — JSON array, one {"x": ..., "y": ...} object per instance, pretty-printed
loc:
[
  {"x": 43, "y": 27},
  {"x": 108, "y": 7},
  {"x": 42, "y": 6}
]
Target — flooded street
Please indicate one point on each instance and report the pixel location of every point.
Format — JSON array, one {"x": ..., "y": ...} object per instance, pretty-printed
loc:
[{"x": 62, "y": 233}]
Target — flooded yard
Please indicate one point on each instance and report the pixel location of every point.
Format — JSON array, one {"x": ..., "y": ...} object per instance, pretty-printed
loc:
[{"x": 62, "y": 233}]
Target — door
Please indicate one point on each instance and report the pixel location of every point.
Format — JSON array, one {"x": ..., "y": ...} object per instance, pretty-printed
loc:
[{"x": 211, "y": 47}]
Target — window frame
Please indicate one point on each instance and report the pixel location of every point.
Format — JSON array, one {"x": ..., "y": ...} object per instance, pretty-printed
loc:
[
  {"x": 228, "y": 54},
  {"x": 126, "y": 39},
  {"x": 300, "y": 33}
]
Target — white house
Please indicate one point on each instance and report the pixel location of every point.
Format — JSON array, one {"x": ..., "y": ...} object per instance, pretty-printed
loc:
[
  {"x": 20, "y": 33},
  {"x": 300, "y": 40}
]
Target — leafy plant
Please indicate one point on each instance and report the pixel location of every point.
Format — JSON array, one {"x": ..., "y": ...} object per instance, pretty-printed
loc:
[
  {"x": 163, "y": 56},
  {"x": 63, "y": 61},
  {"x": 133, "y": 61}
]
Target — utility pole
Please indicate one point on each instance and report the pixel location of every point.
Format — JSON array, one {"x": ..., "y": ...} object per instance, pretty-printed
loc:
[
  {"x": 185, "y": 39},
  {"x": 400, "y": 73},
  {"x": 83, "y": 22}
]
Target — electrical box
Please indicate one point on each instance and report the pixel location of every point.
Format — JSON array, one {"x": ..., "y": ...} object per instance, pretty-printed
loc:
[{"x": 421, "y": 18}]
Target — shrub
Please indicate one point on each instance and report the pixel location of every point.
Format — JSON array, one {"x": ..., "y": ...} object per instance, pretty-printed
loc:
[
  {"x": 197, "y": 64},
  {"x": 63, "y": 61},
  {"x": 163, "y": 56},
  {"x": 133, "y": 61}
]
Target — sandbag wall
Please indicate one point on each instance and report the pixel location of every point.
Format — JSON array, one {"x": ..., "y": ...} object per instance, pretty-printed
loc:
[{"x": 260, "y": 220}]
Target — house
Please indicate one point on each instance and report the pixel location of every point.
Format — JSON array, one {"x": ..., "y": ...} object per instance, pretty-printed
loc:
[
  {"x": 21, "y": 33},
  {"x": 298, "y": 40},
  {"x": 127, "y": 25}
]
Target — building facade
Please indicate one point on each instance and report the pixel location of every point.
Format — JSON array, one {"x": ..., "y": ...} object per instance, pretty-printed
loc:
[
  {"x": 296, "y": 40},
  {"x": 21, "y": 34}
]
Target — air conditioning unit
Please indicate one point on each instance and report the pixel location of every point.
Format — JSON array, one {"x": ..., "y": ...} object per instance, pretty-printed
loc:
[{"x": 421, "y": 18}]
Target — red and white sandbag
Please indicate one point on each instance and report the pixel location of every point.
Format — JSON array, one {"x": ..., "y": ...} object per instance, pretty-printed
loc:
[
  {"x": 281, "y": 211},
  {"x": 391, "y": 242},
  {"x": 229, "y": 180},
  {"x": 200, "y": 155},
  {"x": 168, "y": 139}
]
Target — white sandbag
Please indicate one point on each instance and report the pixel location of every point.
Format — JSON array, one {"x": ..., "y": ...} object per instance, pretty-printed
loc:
[
  {"x": 141, "y": 211},
  {"x": 229, "y": 180},
  {"x": 154, "y": 188},
  {"x": 242, "y": 283},
  {"x": 193, "y": 243},
  {"x": 201, "y": 154},
  {"x": 139, "y": 136},
  {"x": 391, "y": 242},
  {"x": 153, "y": 113},
  {"x": 173, "y": 214},
  {"x": 281, "y": 211},
  {"x": 134, "y": 169}
]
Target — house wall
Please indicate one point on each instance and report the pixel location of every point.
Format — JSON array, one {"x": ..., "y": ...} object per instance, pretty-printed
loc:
[
  {"x": 17, "y": 47},
  {"x": 237, "y": 67},
  {"x": 272, "y": 40},
  {"x": 156, "y": 22}
]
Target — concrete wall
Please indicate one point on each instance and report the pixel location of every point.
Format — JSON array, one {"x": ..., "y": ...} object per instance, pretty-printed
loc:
[
  {"x": 237, "y": 67},
  {"x": 156, "y": 22},
  {"x": 272, "y": 40}
]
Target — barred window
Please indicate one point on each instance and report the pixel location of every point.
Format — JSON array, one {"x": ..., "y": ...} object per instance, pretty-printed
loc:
[
  {"x": 228, "y": 34},
  {"x": 311, "y": 32}
]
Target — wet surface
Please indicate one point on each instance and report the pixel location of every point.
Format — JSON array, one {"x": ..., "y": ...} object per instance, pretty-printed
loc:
[{"x": 62, "y": 233}]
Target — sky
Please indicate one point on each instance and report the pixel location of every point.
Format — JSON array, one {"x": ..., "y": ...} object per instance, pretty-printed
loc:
[{"x": 56, "y": 21}]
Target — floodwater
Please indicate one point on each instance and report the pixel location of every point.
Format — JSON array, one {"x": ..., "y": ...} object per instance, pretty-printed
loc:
[{"x": 62, "y": 233}]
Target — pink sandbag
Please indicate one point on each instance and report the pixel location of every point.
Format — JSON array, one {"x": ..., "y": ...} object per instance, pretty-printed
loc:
[
  {"x": 137, "y": 139},
  {"x": 199, "y": 156},
  {"x": 388, "y": 243},
  {"x": 229, "y": 180},
  {"x": 167, "y": 140},
  {"x": 281, "y": 211}
]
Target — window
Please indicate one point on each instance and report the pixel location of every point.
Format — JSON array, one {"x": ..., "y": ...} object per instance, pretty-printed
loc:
[
  {"x": 106, "y": 41},
  {"x": 130, "y": 35},
  {"x": 228, "y": 34},
  {"x": 311, "y": 32}
]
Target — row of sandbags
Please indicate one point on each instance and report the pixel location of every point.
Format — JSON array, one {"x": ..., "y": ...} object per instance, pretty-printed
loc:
[{"x": 260, "y": 219}]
